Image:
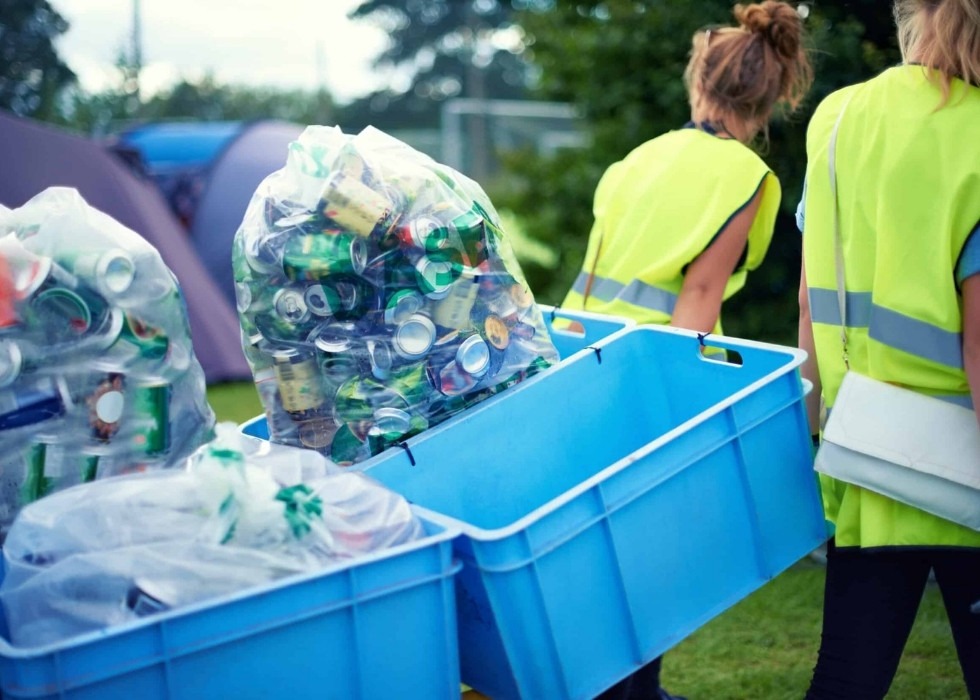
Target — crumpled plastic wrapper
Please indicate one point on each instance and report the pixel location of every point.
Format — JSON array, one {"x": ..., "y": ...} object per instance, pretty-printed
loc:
[
  {"x": 120, "y": 549},
  {"x": 378, "y": 295},
  {"x": 97, "y": 373}
]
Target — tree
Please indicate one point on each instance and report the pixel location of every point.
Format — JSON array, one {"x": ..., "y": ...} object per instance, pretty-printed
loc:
[
  {"x": 453, "y": 47},
  {"x": 447, "y": 48},
  {"x": 204, "y": 100},
  {"x": 621, "y": 62},
  {"x": 31, "y": 72}
]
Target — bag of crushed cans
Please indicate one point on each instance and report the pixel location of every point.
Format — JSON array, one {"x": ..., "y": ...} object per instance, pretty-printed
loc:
[
  {"x": 235, "y": 517},
  {"x": 378, "y": 295},
  {"x": 97, "y": 373}
]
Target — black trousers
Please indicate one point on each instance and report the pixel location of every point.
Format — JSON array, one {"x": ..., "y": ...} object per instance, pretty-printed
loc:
[
  {"x": 871, "y": 598},
  {"x": 643, "y": 684}
]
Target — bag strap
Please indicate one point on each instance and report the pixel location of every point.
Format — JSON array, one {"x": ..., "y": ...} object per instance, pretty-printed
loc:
[
  {"x": 838, "y": 239},
  {"x": 595, "y": 261}
]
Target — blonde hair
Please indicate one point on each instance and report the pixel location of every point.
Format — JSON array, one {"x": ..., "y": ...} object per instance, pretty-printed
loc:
[
  {"x": 746, "y": 70},
  {"x": 942, "y": 35}
]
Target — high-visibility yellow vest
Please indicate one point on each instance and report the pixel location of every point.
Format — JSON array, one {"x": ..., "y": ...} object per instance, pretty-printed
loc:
[
  {"x": 657, "y": 210},
  {"x": 903, "y": 226}
]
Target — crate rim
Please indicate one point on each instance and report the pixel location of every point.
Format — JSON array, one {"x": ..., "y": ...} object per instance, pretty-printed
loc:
[
  {"x": 449, "y": 532},
  {"x": 562, "y": 312}
]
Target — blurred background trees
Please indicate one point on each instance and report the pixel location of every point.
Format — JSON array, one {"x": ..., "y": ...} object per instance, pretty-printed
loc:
[
  {"x": 31, "y": 72},
  {"x": 616, "y": 65},
  {"x": 621, "y": 63}
]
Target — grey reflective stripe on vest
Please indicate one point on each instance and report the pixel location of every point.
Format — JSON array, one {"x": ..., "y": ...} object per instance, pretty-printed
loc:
[
  {"x": 636, "y": 293},
  {"x": 889, "y": 327}
]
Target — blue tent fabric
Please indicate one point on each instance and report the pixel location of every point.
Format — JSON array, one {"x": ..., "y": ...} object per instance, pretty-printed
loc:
[
  {"x": 174, "y": 145},
  {"x": 259, "y": 150},
  {"x": 36, "y": 156}
]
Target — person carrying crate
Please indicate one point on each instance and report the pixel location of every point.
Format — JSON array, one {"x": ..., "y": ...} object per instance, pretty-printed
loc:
[
  {"x": 683, "y": 218},
  {"x": 891, "y": 275}
]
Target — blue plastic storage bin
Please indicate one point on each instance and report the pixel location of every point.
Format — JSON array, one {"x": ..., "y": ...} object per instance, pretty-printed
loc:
[
  {"x": 381, "y": 627},
  {"x": 613, "y": 504}
]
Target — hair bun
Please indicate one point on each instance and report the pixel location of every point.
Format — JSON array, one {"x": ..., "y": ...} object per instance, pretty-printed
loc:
[{"x": 777, "y": 22}]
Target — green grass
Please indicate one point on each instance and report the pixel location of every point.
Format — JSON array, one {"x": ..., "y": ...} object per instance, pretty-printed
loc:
[
  {"x": 765, "y": 647},
  {"x": 234, "y": 401}
]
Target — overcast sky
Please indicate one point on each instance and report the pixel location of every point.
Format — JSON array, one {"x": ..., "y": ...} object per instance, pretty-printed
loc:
[{"x": 285, "y": 43}]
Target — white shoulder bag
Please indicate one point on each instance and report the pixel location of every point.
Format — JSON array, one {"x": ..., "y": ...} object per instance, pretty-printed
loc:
[{"x": 913, "y": 448}]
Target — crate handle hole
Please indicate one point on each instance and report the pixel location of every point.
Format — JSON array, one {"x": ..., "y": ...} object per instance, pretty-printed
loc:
[{"x": 723, "y": 356}]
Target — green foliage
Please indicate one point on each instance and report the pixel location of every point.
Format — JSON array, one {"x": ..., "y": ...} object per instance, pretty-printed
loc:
[
  {"x": 234, "y": 401},
  {"x": 205, "y": 100},
  {"x": 209, "y": 100},
  {"x": 31, "y": 72},
  {"x": 448, "y": 48},
  {"x": 621, "y": 63}
]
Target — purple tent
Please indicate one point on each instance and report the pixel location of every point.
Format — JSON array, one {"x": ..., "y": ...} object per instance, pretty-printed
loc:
[
  {"x": 258, "y": 150},
  {"x": 35, "y": 157}
]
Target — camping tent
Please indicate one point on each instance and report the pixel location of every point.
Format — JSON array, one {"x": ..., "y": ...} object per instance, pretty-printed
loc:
[
  {"x": 258, "y": 151},
  {"x": 208, "y": 171},
  {"x": 178, "y": 156},
  {"x": 35, "y": 157}
]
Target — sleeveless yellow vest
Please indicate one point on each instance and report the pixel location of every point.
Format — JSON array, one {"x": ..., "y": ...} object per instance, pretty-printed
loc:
[
  {"x": 656, "y": 210},
  {"x": 903, "y": 229}
]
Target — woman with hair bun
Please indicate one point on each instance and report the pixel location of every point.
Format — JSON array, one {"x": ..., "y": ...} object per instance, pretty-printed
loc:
[
  {"x": 907, "y": 226},
  {"x": 682, "y": 218}
]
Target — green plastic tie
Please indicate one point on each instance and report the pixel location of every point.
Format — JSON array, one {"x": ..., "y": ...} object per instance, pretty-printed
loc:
[{"x": 302, "y": 506}]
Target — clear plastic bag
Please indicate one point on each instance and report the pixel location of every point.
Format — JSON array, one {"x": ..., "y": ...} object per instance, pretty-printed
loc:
[
  {"x": 97, "y": 373},
  {"x": 118, "y": 549},
  {"x": 378, "y": 295}
]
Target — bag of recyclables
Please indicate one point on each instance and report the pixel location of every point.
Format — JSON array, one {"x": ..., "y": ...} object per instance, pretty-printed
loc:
[
  {"x": 120, "y": 549},
  {"x": 97, "y": 373},
  {"x": 378, "y": 295}
]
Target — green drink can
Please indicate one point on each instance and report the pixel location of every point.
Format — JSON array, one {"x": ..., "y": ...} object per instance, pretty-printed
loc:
[
  {"x": 435, "y": 277},
  {"x": 346, "y": 446},
  {"x": 401, "y": 305},
  {"x": 411, "y": 383},
  {"x": 359, "y": 397},
  {"x": 69, "y": 311},
  {"x": 90, "y": 468},
  {"x": 151, "y": 416},
  {"x": 36, "y": 484},
  {"x": 313, "y": 257},
  {"x": 151, "y": 342},
  {"x": 471, "y": 229}
]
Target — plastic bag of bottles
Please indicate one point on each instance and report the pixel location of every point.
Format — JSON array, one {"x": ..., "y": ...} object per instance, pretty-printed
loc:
[
  {"x": 378, "y": 295},
  {"x": 97, "y": 373},
  {"x": 119, "y": 549}
]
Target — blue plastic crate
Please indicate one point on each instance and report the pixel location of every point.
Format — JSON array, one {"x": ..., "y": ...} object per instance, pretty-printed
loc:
[
  {"x": 381, "y": 627},
  {"x": 613, "y": 504}
]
